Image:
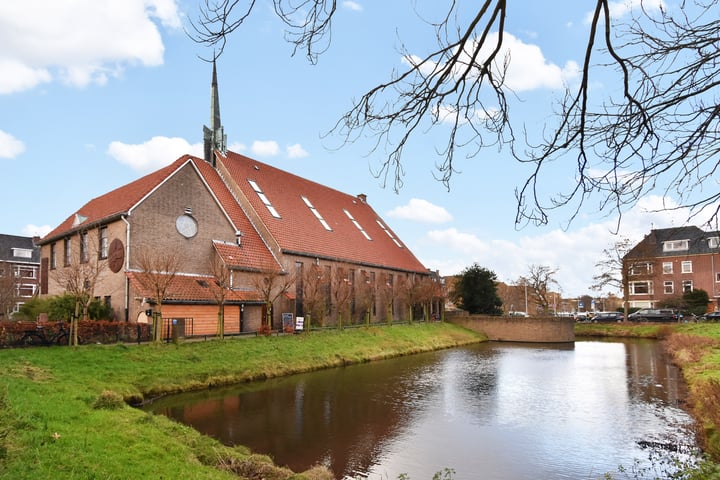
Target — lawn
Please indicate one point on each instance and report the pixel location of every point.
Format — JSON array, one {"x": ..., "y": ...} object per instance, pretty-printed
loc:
[{"x": 64, "y": 411}]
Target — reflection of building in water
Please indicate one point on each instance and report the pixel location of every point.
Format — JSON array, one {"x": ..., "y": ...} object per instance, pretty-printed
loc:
[{"x": 654, "y": 375}]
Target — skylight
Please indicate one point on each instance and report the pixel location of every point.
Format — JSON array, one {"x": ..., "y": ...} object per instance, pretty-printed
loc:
[
  {"x": 355, "y": 222},
  {"x": 316, "y": 213},
  {"x": 389, "y": 233},
  {"x": 263, "y": 198}
]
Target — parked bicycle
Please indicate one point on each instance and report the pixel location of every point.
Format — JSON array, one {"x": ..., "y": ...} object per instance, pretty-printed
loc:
[{"x": 40, "y": 336}]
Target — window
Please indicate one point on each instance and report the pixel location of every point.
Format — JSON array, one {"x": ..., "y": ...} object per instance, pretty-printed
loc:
[
  {"x": 668, "y": 287},
  {"x": 317, "y": 214},
  {"x": 25, "y": 291},
  {"x": 717, "y": 277},
  {"x": 641, "y": 268},
  {"x": 355, "y": 222},
  {"x": 25, "y": 272},
  {"x": 68, "y": 251},
  {"x": 53, "y": 256},
  {"x": 687, "y": 286},
  {"x": 641, "y": 288},
  {"x": 103, "y": 242},
  {"x": 22, "y": 252},
  {"x": 667, "y": 267},
  {"x": 264, "y": 199},
  {"x": 84, "y": 247},
  {"x": 389, "y": 233},
  {"x": 686, "y": 266},
  {"x": 676, "y": 245},
  {"x": 714, "y": 242}
]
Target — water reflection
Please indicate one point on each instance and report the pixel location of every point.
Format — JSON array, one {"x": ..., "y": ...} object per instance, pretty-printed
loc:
[{"x": 501, "y": 411}]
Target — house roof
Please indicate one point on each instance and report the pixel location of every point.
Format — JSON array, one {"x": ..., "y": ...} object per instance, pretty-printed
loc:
[
  {"x": 122, "y": 200},
  {"x": 652, "y": 244},
  {"x": 302, "y": 217},
  {"x": 307, "y": 218},
  {"x": 14, "y": 248},
  {"x": 193, "y": 289}
]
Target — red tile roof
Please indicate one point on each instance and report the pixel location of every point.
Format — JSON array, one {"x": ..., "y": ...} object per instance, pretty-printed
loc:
[
  {"x": 255, "y": 253},
  {"x": 299, "y": 230},
  {"x": 355, "y": 233},
  {"x": 192, "y": 289}
]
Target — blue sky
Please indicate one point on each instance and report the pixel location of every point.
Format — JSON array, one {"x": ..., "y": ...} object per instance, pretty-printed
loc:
[{"x": 95, "y": 93}]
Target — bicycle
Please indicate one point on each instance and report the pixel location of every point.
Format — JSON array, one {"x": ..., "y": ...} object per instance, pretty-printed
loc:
[{"x": 38, "y": 336}]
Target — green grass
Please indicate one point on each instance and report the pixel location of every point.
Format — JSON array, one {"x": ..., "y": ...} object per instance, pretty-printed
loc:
[{"x": 63, "y": 413}]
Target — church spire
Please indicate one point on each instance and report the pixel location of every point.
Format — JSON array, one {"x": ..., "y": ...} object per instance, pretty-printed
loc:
[{"x": 214, "y": 137}]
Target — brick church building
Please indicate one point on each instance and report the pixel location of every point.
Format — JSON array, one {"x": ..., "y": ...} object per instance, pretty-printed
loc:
[{"x": 228, "y": 233}]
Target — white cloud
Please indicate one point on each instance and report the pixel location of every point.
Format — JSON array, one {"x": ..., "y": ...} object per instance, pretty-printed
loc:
[
  {"x": 10, "y": 147},
  {"x": 622, "y": 8},
  {"x": 573, "y": 253},
  {"x": 36, "y": 230},
  {"x": 79, "y": 41},
  {"x": 354, "y": 6},
  {"x": 528, "y": 69},
  {"x": 265, "y": 148},
  {"x": 153, "y": 154},
  {"x": 421, "y": 211},
  {"x": 296, "y": 151}
]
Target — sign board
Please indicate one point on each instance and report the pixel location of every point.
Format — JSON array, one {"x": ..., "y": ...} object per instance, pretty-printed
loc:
[
  {"x": 287, "y": 320},
  {"x": 299, "y": 323}
]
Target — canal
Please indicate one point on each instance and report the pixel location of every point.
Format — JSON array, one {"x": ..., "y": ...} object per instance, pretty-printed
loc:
[{"x": 491, "y": 411}]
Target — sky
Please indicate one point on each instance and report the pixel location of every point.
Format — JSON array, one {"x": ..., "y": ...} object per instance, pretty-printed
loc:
[{"x": 96, "y": 93}]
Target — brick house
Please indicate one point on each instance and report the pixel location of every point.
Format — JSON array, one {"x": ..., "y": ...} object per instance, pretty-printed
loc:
[
  {"x": 671, "y": 261},
  {"x": 260, "y": 223},
  {"x": 19, "y": 272}
]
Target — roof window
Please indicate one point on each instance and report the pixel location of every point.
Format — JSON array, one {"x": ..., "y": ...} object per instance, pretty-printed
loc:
[
  {"x": 389, "y": 233},
  {"x": 355, "y": 222},
  {"x": 264, "y": 199},
  {"x": 316, "y": 213}
]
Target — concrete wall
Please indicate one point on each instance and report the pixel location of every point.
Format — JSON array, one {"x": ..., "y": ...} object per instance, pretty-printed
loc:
[{"x": 518, "y": 329}]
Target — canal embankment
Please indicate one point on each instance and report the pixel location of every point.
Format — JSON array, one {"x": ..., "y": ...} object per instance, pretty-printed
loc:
[{"x": 65, "y": 413}]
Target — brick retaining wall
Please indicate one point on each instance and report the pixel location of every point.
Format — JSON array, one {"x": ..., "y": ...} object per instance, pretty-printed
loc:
[{"x": 518, "y": 329}]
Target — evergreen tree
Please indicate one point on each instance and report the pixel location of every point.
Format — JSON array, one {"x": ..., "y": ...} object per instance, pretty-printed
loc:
[{"x": 476, "y": 291}]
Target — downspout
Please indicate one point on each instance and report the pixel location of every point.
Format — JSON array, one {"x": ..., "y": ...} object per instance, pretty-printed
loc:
[{"x": 127, "y": 267}]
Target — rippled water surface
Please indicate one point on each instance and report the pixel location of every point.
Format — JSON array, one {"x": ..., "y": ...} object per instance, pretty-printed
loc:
[{"x": 491, "y": 411}]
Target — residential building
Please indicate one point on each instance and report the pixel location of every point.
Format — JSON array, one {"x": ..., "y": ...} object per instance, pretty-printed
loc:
[
  {"x": 289, "y": 246},
  {"x": 671, "y": 261},
  {"x": 19, "y": 272}
]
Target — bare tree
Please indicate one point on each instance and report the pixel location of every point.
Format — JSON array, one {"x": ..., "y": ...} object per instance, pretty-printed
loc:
[
  {"x": 540, "y": 280},
  {"x": 79, "y": 277},
  {"x": 271, "y": 284},
  {"x": 220, "y": 286},
  {"x": 386, "y": 294},
  {"x": 655, "y": 127},
  {"x": 365, "y": 294},
  {"x": 157, "y": 270},
  {"x": 8, "y": 290},
  {"x": 342, "y": 292},
  {"x": 614, "y": 270},
  {"x": 315, "y": 290}
]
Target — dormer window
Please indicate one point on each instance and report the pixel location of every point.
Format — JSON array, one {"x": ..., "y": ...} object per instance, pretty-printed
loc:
[
  {"x": 676, "y": 245},
  {"x": 22, "y": 252},
  {"x": 714, "y": 242},
  {"x": 316, "y": 213},
  {"x": 264, "y": 199}
]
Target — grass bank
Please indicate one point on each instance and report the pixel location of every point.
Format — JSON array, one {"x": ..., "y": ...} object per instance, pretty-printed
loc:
[
  {"x": 695, "y": 348},
  {"x": 64, "y": 411}
]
